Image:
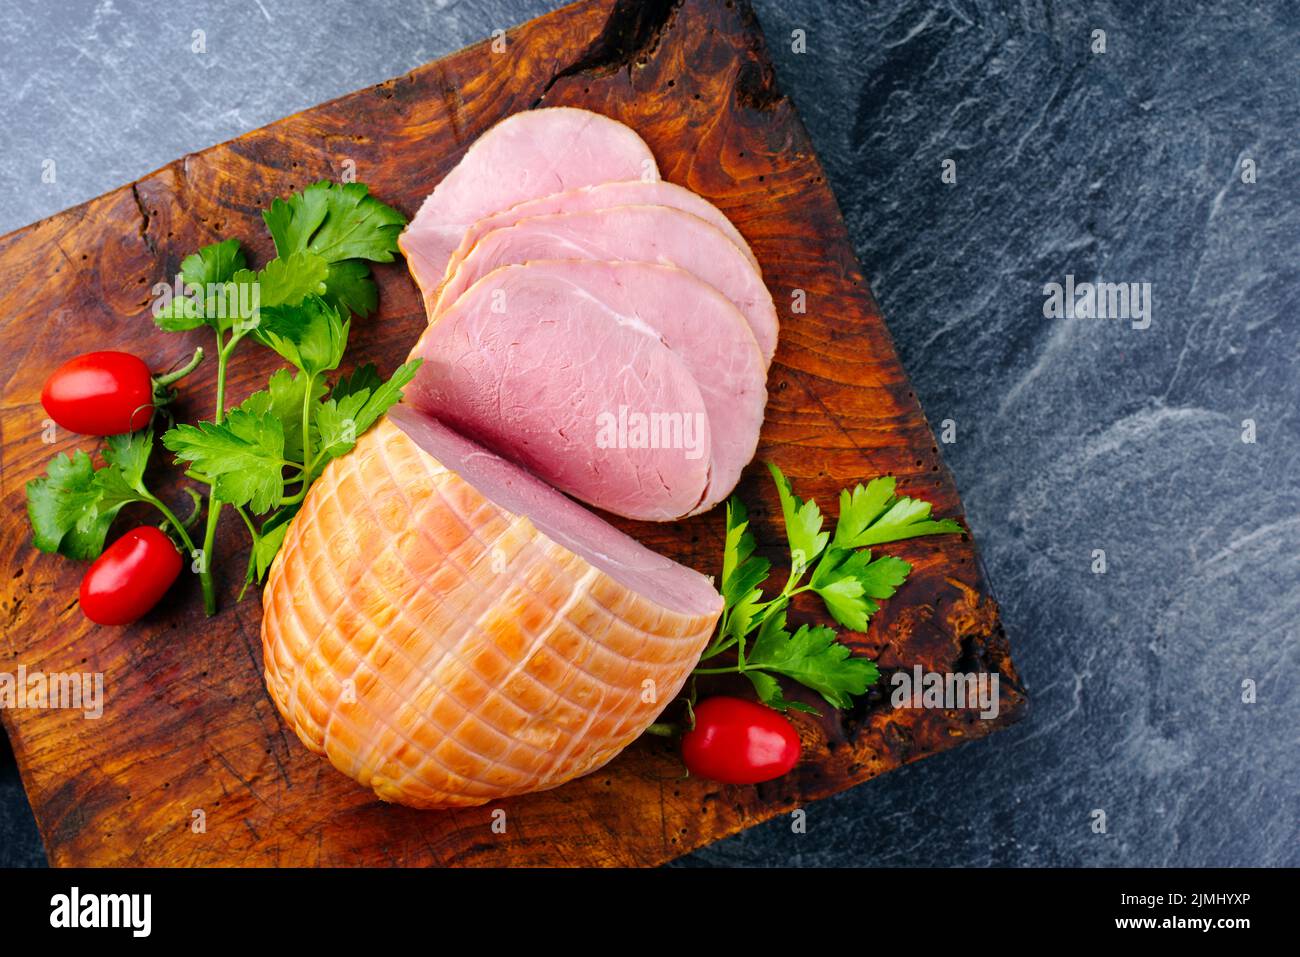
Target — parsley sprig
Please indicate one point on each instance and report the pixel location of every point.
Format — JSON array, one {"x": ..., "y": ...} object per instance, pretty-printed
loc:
[
  {"x": 72, "y": 506},
  {"x": 261, "y": 456},
  {"x": 840, "y": 568}
]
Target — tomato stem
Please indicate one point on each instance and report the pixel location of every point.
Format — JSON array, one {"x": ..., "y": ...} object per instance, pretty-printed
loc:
[
  {"x": 172, "y": 520},
  {"x": 664, "y": 729},
  {"x": 162, "y": 381}
]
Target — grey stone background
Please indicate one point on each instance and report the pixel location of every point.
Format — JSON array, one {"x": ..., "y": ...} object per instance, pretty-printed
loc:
[{"x": 1072, "y": 435}]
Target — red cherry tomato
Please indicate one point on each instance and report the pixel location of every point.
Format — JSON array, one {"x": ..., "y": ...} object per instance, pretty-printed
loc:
[
  {"x": 739, "y": 742},
  {"x": 100, "y": 393},
  {"x": 129, "y": 578}
]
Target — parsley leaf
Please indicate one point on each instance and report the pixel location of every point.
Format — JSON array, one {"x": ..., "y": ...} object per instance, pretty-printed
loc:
[
  {"x": 219, "y": 305},
  {"x": 813, "y": 657},
  {"x": 239, "y": 302},
  {"x": 129, "y": 455},
  {"x": 312, "y": 335},
  {"x": 223, "y": 299},
  {"x": 873, "y": 516},
  {"x": 383, "y": 397},
  {"x": 244, "y": 456},
  {"x": 349, "y": 286},
  {"x": 179, "y": 314},
  {"x": 741, "y": 572},
  {"x": 290, "y": 280},
  {"x": 121, "y": 481},
  {"x": 344, "y": 225},
  {"x": 345, "y": 416},
  {"x": 264, "y": 551},
  {"x": 803, "y": 524},
  {"x": 283, "y": 398},
  {"x": 847, "y": 581},
  {"x": 73, "y": 505},
  {"x": 363, "y": 377},
  {"x": 213, "y": 264},
  {"x": 336, "y": 221},
  {"x": 266, "y": 544},
  {"x": 336, "y": 421},
  {"x": 64, "y": 508},
  {"x": 769, "y": 692}
]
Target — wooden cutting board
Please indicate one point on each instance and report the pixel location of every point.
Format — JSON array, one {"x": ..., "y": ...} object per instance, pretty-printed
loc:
[{"x": 187, "y": 724}]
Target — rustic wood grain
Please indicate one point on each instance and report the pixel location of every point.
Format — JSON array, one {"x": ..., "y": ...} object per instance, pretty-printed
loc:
[{"x": 188, "y": 724}]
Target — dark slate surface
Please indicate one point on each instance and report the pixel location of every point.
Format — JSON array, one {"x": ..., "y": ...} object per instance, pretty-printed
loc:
[{"x": 1071, "y": 434}]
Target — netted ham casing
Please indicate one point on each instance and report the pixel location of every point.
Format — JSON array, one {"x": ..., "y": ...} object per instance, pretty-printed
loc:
[{"x": 444, "y": 648}]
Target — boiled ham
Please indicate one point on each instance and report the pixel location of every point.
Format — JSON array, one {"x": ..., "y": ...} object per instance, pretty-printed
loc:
[
  {"x": 448, "y": 630},
  {"x": 632, "y": 386},
  {"x": 633, "y": 192},
  {"x": 543, "y": 187},
  {"x": 530, "y": 154},
  {"x": 652, "y": 234},
  {"x": 441, "y": 622}
]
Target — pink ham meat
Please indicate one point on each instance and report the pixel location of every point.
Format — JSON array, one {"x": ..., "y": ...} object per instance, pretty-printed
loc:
[
  {"x": 653, "y": 234},
  {"x": 633, "y": 192},
  {"x": 527, "y": 155},
  {"x": 552, "y": 363},
  {"x": 448, "y": 630}
]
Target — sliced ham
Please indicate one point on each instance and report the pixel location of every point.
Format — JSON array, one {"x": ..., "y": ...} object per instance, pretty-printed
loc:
[
  {"x": 447, "y": 630},
  {"x": 653, "y": 234},
  {"x": 632, "y": 192},
  {"x": 635, "y": 387},
  {"x": 527, "y": 155}
]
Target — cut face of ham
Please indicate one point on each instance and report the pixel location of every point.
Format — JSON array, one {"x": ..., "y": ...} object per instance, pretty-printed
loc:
[
  {"x": 527, "y": 155},
  {"x": 627, "y": 193},
  {"x": 447, "y": 630},
  {"x": 634, "y": 387},
  {"x": 531, "y": 363},
  {"x": 652, "y": 234},
  {"x": 557, "y": 517}
]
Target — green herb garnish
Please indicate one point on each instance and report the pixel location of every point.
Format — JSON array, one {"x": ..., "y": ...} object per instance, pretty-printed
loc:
[
  {"x": 261, "y": 456},
  {"x": 844, "y": 574}
]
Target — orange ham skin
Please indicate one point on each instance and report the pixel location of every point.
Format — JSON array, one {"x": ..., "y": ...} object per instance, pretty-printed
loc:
[{"x": 444, "y": 652}]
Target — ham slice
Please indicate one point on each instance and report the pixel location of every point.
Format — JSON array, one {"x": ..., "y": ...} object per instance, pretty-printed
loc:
[
  {"x": 634, "y": 387},
  {"x": 525, "y": 156},
  {"x": 653, "y": 234},
  {"x": 448, "y": 630},
  {"x": 633, "y": 192}
]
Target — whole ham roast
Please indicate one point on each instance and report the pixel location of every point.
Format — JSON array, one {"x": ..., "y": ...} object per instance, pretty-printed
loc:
[
  {"x": 443, "y": 622},
  {"x": 447, "y": 629}
]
